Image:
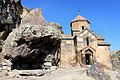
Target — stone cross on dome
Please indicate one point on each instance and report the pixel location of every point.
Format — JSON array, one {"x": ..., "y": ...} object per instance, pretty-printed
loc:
[{"x": 78, "y": 13}]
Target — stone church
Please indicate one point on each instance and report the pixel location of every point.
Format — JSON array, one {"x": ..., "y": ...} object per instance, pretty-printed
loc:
[{"x": 83, "y": 46}]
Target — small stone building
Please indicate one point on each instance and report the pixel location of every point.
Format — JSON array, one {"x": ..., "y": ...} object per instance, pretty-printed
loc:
[{"x": 83, "y": 46}]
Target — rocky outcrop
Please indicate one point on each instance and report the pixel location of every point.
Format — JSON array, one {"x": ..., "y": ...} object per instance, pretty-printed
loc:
[
  {"x": 57, "y": 25},
  {"x": 10, "y": 11},
  {"x": 116, "y": 60},
  {"x": 34, "y": 44}
]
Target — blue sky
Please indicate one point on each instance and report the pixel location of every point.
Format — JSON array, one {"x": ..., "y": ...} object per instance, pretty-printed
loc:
[{"x": 104, "y": 15}]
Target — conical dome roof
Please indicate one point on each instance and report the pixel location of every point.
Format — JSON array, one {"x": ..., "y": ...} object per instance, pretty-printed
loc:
[{"x": 79, "y": 17}]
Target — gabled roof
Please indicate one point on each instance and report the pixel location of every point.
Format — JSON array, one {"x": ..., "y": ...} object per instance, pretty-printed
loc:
[
  {"x": 96, "y": 35},
  {"x": 99, "y": 37},
  {"x": 88, "y": 31}
]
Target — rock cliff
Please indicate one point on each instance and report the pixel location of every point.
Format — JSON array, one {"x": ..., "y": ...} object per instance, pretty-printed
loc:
[{"x": 10, "y": 11}]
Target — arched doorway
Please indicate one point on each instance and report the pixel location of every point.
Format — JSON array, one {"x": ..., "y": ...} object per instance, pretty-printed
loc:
[{"x": 87, "y": 57}]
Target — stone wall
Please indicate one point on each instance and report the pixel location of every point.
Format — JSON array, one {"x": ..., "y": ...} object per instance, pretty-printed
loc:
[
  {"x": 68, "y": 58},
  {"x": 104, "y": 56}
]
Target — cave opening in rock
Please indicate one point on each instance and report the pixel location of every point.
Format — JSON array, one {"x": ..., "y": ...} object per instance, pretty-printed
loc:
[{"x": 38, "y": 53}]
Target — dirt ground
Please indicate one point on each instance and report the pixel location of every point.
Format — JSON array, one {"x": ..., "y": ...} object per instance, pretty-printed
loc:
[{"x": 59, "y": 74}]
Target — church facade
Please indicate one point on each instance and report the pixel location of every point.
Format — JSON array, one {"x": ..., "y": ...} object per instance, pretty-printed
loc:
[{"x": 83, "y": 46}]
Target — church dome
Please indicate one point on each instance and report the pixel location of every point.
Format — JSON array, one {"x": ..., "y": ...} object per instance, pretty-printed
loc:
[{"x": 79, "y": 18}]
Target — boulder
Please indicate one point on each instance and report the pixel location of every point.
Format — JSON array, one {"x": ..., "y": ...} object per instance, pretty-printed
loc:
[
  {"x": 97, "y": 72},
  {"x": 116, "y": 60}
]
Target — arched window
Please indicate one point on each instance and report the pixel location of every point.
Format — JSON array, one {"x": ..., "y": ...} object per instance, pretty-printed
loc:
[
  {"x": 86, "y": 41},
  {"x": 83, "y": 27}
]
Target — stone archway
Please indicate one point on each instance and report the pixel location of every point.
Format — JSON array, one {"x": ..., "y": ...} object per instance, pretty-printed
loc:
[{"x": 87, "y": 56}]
